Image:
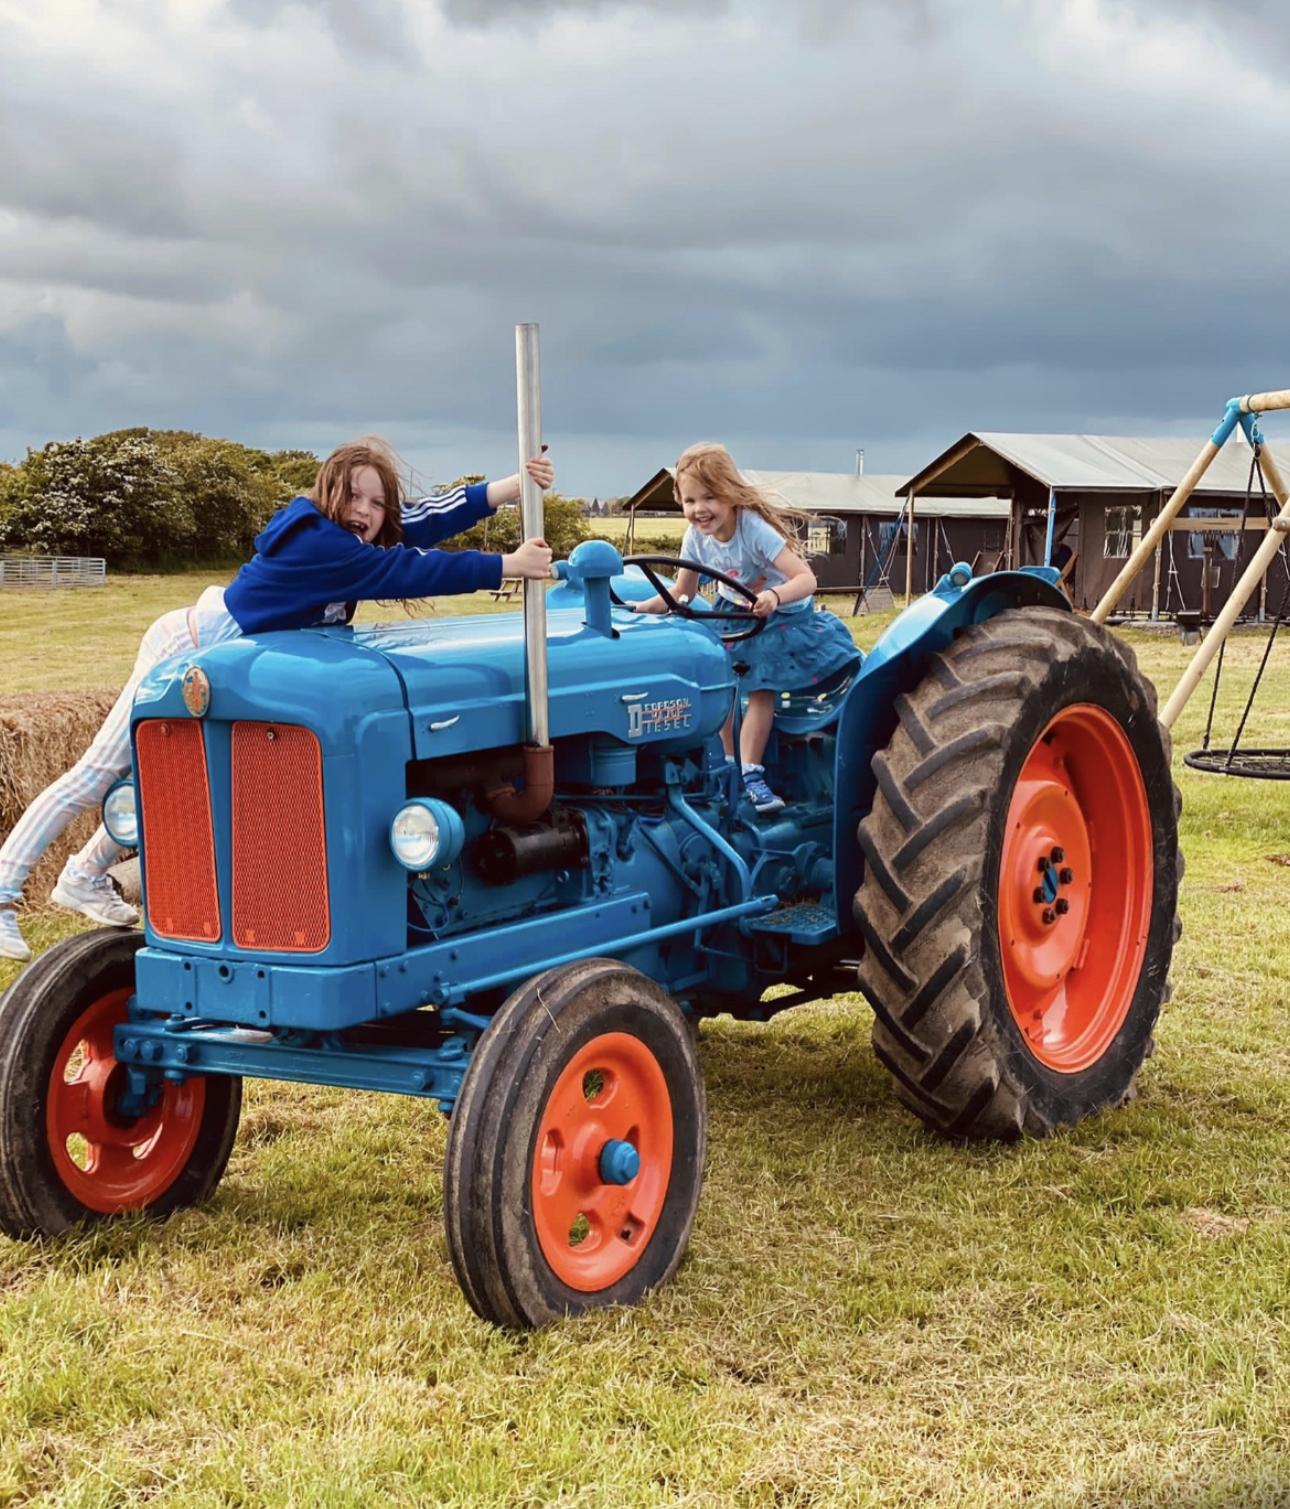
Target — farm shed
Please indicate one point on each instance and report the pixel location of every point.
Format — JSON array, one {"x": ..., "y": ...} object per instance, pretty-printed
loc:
[
  {"x": 1107, "y": 490},
  {"x": 857, "y": 537}
]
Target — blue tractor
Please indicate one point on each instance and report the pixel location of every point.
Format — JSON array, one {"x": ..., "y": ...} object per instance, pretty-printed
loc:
[{"x": 501, "y": 862}]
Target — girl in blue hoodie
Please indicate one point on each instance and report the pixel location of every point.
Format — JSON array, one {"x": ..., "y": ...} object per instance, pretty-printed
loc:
[{"x": 349, "y": 540}]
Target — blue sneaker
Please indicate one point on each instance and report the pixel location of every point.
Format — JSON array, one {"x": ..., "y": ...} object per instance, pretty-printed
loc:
[{"x": 762, "y": 797}]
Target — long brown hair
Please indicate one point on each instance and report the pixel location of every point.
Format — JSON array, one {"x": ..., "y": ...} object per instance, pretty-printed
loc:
[
  {"x": 715, "y": 467},
  {"x": 330, "y": 492}
]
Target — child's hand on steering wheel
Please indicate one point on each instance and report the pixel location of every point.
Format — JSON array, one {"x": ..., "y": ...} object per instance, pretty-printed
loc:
[{"x": 766, "y": 603}]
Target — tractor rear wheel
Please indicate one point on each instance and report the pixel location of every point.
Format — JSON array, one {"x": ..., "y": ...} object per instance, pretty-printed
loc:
[
  {"x": 575, "y": 1154},
  {"x": 1021, "y": 876},
  {"x": 69, "y": 1151}
]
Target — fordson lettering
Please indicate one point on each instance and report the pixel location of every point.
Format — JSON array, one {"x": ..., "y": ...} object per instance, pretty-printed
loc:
[{"x": 664, "y": 717}]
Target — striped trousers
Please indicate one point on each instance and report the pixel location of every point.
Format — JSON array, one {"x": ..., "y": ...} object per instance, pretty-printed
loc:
[{"x": 85, "y": 785}]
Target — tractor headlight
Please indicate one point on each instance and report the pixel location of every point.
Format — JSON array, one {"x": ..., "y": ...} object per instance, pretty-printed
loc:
[
  {"x": 426, "y": 833},
  {"x": 121, "y": 814}
]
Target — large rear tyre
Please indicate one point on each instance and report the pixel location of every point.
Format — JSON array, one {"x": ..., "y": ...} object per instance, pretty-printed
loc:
[
  {"x": 68, "y": 1151},
  {"x": 575, "y": 1155},
  {"x": 1021, "y": 879}
]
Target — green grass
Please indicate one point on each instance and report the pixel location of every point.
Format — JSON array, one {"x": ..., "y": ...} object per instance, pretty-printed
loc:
[{"x": 867, "y": 1316}]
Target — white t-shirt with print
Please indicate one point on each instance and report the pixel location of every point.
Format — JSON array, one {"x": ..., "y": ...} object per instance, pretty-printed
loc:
[{"x": 748, "y": 556}]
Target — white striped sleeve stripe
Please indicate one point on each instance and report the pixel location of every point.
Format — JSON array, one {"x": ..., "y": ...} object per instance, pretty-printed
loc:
[{"x": 436, "y": 503}]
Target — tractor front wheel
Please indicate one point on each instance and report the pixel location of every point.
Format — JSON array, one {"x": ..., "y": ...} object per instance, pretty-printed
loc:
[
  {"x": 73, "y": 1146},
  {"x": 1021, "y": 877},
  {"x": 575, "y": 1154}
]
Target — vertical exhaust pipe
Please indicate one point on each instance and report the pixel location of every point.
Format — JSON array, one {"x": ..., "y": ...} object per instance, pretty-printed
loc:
[
  {"x": 528, "y": 394},
  {"x": 528, "y": 805}
]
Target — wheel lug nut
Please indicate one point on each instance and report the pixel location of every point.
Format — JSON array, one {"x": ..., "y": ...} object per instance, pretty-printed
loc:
[
  {"x": 1049, "y": 914},
  {"x": 1038, "y": 894},
  {"x": 1066, "y": 876},
  {"x": 1063, "y": 906},
  {"x": 1058, "y": 855},
  {"x": 1043, "y": 863}
]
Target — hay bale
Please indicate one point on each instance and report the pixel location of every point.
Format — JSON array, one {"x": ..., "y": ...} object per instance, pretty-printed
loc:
[{"x": 42, "y": 734}]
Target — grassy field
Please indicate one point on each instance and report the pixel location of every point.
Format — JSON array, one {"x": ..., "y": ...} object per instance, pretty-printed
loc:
[{"x": 867, "y": 1316}]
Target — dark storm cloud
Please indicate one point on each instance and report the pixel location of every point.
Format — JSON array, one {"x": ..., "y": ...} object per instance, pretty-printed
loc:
[
  {"x": 487, "y": 12},
  {"x": 822, "y": 17},
  {"x": 374, "y": 26},
  {"x": 729, "y": 218}
]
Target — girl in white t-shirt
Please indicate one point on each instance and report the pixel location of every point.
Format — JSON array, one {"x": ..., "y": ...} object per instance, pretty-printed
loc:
[{"x": 736, "y": 530}]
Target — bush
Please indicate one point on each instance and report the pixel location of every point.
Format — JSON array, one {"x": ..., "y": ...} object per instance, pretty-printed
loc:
[
  {"x": 656, "y": 544},
  {"x": 102, "y": 497},
  {"x": 142, "y": 497},
  {"x": 564, "y": 526}
]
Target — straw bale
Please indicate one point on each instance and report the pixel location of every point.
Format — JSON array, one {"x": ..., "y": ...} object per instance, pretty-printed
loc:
[{"x": 42, "y": 734}]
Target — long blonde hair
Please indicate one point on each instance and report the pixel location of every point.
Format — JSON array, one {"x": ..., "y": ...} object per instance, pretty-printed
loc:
[
  {"x": 330, "y": 492},
  {"x": 715, "y": 467}
]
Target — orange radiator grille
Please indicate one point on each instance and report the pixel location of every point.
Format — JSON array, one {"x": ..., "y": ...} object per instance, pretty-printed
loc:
[
  {"x": 279, "y": 840},
  {"x": 178, "y": 837}
]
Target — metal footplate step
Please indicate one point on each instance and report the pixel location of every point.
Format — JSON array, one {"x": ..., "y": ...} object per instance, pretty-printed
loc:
[{"x": 802, "y": 921}]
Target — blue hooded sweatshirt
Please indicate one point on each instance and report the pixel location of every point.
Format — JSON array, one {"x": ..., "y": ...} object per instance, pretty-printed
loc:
[{"x": 309, "y": 570}]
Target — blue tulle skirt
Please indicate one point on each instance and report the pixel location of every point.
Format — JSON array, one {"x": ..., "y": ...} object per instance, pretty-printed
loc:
[{"x": 794, "y": 651}]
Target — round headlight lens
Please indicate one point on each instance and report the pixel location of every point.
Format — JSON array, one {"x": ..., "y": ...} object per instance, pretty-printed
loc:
[
  {"x": 414, "y": 837},
  {"x": 121, "y": 815},
  {"x": 425, "y": 833}
]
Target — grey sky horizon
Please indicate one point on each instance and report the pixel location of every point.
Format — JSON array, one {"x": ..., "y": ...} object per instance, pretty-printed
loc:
[{"x": 799, "y": 230}]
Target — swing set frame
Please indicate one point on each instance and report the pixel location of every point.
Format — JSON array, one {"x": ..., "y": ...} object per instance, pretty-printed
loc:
[{"x": 1243, "y": 412}]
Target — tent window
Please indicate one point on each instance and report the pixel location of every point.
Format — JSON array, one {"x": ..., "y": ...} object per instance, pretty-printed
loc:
[
  {"x": 1226, "y": 540},
  {"x": 1123, "y": 531}
]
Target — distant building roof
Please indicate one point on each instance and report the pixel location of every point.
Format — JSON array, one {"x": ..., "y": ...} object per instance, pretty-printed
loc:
[
  {"x": 832, "y": 493},
  {"x": 1080, "y": 463}
]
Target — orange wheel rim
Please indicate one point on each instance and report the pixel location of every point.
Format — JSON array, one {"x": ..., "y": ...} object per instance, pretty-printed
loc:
[
  {"x": 110, "y": 1162},
  {"x": 593, "y": 1232},
  {"x": 1076, "y": 882}
]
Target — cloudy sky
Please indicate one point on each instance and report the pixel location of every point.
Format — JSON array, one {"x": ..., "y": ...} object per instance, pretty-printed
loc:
[{"x": 799, "y": 226}]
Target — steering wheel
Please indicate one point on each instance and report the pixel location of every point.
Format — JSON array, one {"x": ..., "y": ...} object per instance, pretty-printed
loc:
[{"x": 683, "y": 610}]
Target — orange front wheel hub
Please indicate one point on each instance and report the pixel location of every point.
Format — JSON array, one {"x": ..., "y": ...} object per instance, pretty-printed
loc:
[
  {"x": 108, "y": 1161},
  {"x": 602, "y": 1161}
]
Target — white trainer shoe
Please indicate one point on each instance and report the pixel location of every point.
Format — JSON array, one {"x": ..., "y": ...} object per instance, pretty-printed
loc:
[
  {"x": 12, "y": 944},
  {"x": 96, "y": 898}
]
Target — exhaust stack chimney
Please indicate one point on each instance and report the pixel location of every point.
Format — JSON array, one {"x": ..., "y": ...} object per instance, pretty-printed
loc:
[
  {"x": 528, "y": 392},
  {"x": 860, "y": 462}
]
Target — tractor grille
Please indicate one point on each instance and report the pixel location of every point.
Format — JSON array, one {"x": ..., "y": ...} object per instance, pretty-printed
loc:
[
  {"x": 279, "y": 840},
  {"x": 178, "y": 836}
]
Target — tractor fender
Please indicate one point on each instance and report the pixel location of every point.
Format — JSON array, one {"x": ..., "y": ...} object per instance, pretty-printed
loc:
[{"x": 897, "y": 663}]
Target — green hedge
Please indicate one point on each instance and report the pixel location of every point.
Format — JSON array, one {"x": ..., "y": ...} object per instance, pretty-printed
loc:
[{"x": 146, "y": 498}]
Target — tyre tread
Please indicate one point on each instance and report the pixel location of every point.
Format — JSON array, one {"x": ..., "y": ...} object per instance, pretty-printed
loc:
[{"x": 921, "y": 971}]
